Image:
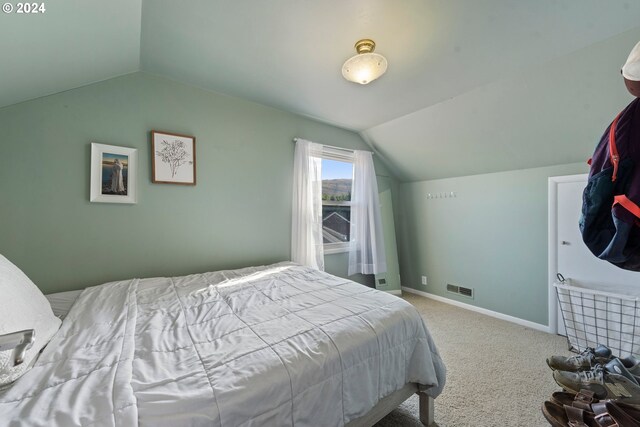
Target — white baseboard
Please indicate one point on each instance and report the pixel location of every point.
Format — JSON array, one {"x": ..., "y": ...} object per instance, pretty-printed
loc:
[{"x": 512, "y": 319}]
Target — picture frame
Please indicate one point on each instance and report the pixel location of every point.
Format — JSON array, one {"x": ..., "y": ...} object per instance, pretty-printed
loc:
[
  {"x": 114, "y": 171},
  {"x": 173, "y": 158}
]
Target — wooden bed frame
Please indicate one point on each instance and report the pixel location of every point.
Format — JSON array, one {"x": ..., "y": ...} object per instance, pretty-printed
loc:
[{"x": 391, "y": 402}]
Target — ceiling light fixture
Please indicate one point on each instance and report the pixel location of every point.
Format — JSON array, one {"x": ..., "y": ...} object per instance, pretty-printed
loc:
[{"x": 366, "y": 66}]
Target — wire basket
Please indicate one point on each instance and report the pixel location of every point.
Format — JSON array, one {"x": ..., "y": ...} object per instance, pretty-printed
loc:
[{"x": 593, "y": 317}]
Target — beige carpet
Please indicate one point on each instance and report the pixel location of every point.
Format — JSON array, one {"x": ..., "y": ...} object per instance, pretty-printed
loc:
[{"x": 496, "y": 370}]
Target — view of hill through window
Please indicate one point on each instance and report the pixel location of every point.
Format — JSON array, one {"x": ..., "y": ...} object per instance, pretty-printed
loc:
[{"x": 337, "y": 178}]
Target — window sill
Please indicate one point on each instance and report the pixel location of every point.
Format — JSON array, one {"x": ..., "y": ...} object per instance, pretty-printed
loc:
[{"x": 336, "y": 248}]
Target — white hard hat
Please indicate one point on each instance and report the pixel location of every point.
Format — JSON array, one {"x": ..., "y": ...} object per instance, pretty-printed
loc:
[{"x": 631, "y": 69}]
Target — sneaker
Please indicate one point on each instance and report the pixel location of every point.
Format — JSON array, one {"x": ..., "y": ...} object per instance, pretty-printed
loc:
[
  {"x": 610, "y": 381},
  {"x": 584, "y": 361},
  {"x": 632, "y": 364}
]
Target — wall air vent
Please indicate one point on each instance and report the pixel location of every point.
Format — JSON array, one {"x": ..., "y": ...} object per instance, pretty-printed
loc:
[{"x": 467, "y": 292}]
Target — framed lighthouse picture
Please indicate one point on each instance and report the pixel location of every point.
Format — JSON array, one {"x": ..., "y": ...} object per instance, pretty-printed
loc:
[{"x": 113, "y": 174}]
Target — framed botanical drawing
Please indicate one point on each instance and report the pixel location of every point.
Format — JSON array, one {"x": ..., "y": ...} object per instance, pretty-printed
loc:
[
  {"x": 173, "y": 158},
  {"x": 113, "y": 174}
]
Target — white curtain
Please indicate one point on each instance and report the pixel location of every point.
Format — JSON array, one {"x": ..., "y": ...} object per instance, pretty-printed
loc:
[
  {"x": 306, "y": 227},
  {"x": 366, "y": 250}
]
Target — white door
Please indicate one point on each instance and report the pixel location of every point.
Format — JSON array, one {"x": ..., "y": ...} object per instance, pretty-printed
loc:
[{"x": 574, "y": 260}]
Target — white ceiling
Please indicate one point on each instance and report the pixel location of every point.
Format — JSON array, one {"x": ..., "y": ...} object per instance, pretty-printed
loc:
[{"x": 466, "y": 79}]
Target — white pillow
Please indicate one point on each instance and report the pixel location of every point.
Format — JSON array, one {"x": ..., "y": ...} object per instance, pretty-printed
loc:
[{"x": 22, "y": 306}]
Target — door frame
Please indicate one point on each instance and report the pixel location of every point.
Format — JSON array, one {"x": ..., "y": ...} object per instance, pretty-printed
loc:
[{"x": 554, "y": 181}]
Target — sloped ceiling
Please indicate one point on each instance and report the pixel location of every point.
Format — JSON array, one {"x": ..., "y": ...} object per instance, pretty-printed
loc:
[
  {"x": 71, "y": 44},
  {"x": 472, "y": 86},
  {"x": 547, "y": 114}
]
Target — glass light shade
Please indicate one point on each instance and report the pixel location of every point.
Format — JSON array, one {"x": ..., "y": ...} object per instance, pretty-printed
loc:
[{"x": 364, "y": 68}]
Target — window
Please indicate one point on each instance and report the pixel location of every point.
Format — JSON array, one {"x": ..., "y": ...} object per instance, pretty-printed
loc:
[{"x": 337, "y": 177}]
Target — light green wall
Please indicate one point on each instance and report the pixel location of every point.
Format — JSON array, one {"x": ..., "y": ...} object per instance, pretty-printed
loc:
[
  {"x": 491, "y": 237},
  {"x": 239, "y": 213},
  {"x": 390, "y": 279}
]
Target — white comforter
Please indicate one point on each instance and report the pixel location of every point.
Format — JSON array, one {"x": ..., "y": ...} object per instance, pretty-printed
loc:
[{"x": 265, "y": 346}]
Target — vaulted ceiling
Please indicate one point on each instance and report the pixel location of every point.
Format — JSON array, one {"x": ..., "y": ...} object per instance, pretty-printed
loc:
[{"x": 472, "y": 86}]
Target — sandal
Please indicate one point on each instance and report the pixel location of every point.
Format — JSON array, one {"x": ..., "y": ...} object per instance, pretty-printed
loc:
[
  {"x": 582, "y": 400},
  {"x": 569, "y": 416},
  {"x": 613, "y": 414}
]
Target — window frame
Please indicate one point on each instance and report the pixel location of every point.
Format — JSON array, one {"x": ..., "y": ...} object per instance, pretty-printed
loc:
[{"x": 347, "y": 156}]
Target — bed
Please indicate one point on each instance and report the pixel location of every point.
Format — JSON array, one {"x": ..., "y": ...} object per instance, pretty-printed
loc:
[{"x": 274, "y": 345}]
